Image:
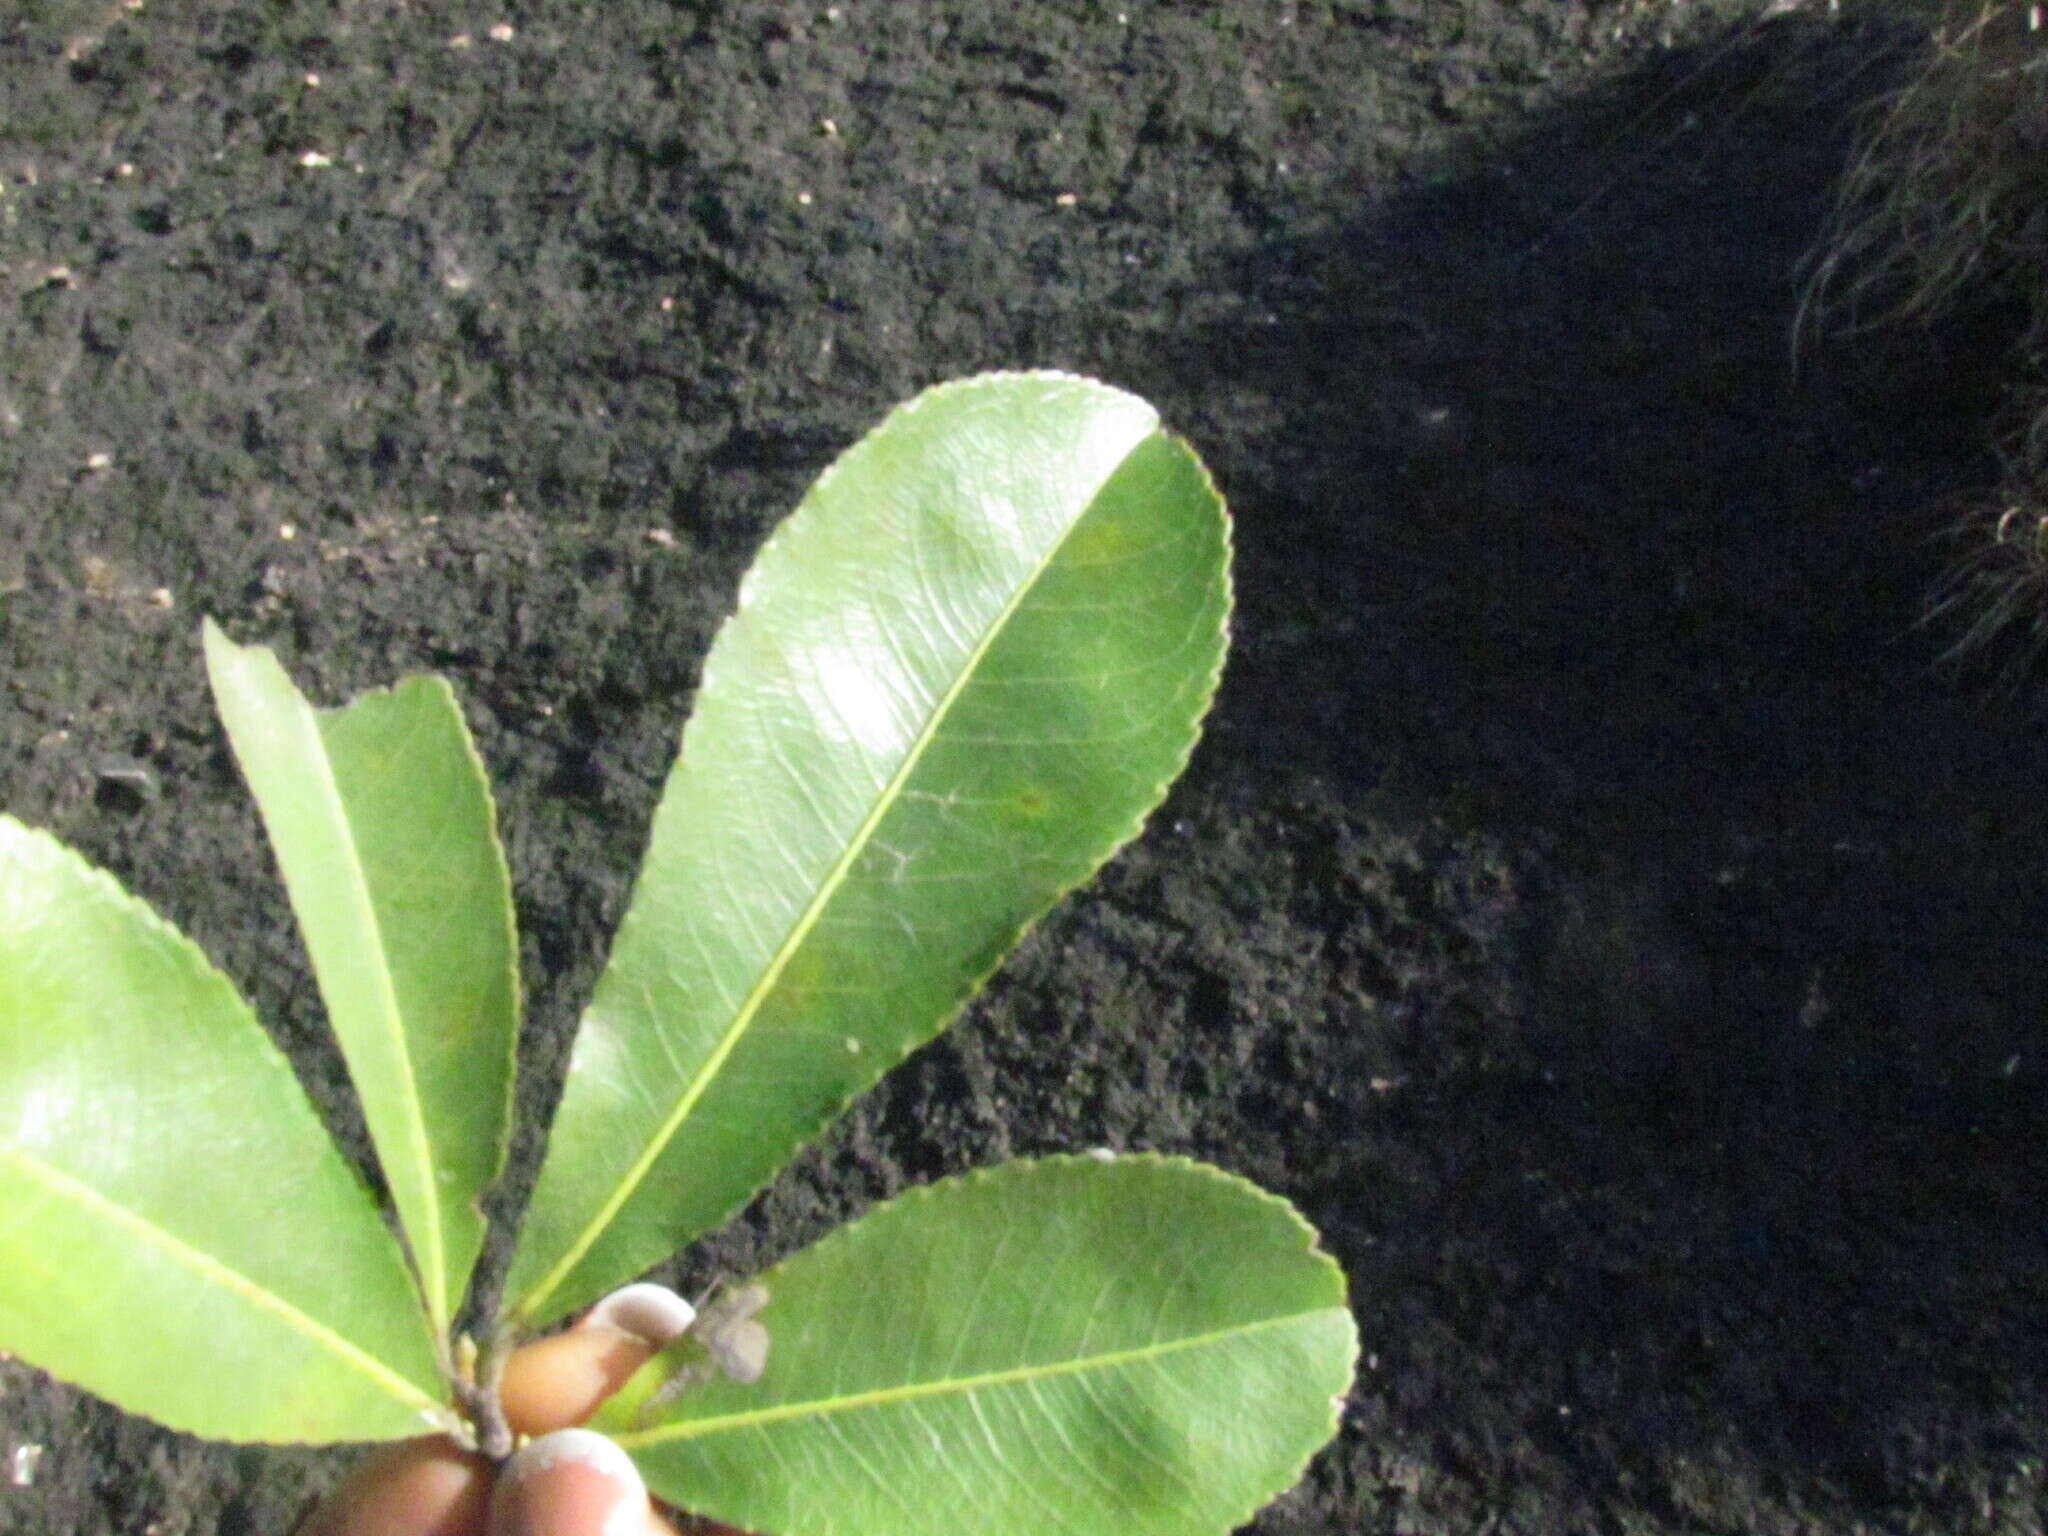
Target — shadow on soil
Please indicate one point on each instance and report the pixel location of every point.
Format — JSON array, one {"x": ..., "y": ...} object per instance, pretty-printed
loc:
[{"x": 1727, "y": 1212}]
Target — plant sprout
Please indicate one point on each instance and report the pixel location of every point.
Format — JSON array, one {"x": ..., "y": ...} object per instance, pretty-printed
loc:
[{"x": 959, "y": 677}]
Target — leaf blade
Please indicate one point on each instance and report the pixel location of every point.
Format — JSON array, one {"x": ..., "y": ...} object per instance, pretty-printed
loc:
[
  {"x": 382, "y": 824},
  {"x": 959, "y": 677},
  {"x": 1144, "y": 1346},
  {"x": 181, "y": 1288}
]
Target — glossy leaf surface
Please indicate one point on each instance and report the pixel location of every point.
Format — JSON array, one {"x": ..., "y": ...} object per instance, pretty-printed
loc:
[
  {"x": 959, "y": 676},
  {"x": 381, "y": 820},
  {"x": 177, "y": 1232},
  {"x": 1140, "y": 1346}
]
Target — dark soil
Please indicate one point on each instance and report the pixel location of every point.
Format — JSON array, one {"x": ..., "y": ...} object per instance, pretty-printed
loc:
[{"x": 1593, "y": 901}]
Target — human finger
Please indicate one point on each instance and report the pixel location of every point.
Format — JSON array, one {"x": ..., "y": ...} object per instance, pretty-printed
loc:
[
  {"x": 572, "y": 1482},
  {"x": 562, "y": 1380},
  {"x": 426, "y": 1487},
  {"x": 431, "y": 1487}
]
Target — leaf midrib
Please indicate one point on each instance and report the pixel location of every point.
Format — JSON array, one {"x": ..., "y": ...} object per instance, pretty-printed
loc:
[
  {"x": 430, "y": 1253},
  {"x": 691, "y": 1429},
  {"x": 262, "y": 683},
  {"x": 211, "y": 1269},
  {"x": 800, "y": 930}
]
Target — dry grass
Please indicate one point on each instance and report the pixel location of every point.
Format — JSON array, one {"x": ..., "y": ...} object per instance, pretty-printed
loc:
[
  {"x": 1944, "y": 210},
  {"x": 1945, "y": 202},
  {"x": 1993, "y": 598}
]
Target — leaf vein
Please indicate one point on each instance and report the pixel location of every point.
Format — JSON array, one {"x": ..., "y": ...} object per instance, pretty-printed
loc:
[
  {"x": 208, "y": 1268},
  {"x": 690, "y": 1429}
]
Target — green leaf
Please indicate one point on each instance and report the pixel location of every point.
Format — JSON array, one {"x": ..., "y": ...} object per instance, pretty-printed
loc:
[
  {"x": 382, "y": 824},
  {"x": 1138, "y": 1346},
  {"x": 960, "y": 675},
  {"x": 177, "y": 1232}
]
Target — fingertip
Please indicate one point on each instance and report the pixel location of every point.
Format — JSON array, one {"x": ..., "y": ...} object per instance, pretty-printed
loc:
[
  {"x": 563, "y": 1379},
  {"x": 646, "y": 1310},
  {"x": 573, "y": 1482}
]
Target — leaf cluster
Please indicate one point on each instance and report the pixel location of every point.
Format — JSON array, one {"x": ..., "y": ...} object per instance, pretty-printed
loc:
[{"x": 959, "y": 676}]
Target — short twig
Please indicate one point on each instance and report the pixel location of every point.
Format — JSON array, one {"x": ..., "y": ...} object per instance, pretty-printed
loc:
[{"x": 478, "y": 1392}]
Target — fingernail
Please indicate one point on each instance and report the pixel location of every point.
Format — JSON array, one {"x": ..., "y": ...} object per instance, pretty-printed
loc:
[
  {"x": 573, "y": 1482},
  {"x": 647, "y": 1311}
]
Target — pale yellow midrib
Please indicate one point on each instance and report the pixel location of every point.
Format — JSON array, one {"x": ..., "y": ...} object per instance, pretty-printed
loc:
[
  {"x": 211, "y": 1269},
  {"x": 808, "y": 918},
  {"x": 260, "y": 684},
  {"x": 429, "y": 1248},
  {"x": 691, "y": 1429},
  {"x": 431, "y": 1258}
]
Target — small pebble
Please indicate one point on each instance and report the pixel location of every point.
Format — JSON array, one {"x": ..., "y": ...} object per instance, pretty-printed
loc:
[{"x": 21, "y": 1465}]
